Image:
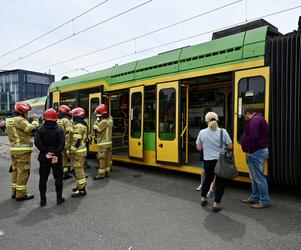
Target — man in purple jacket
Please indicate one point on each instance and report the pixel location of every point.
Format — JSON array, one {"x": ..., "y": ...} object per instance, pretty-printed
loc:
[{"x": 255, "y": 145}]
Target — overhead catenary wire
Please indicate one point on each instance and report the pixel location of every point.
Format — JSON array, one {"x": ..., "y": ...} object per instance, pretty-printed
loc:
[
  {"x": 182, "y": 39},
  {"x": 54, "y": 29},
  {"x": 140, "y": 36},
  {"x": 77, "y": 33}
]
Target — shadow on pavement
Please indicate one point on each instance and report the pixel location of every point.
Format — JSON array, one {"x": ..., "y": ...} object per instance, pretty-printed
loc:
[
  {"x": 224, "y": 227},
  {"x": 9, "y": 208},
  {"x": 39, "y": 214},
  {"x": 285, "y": 211}
]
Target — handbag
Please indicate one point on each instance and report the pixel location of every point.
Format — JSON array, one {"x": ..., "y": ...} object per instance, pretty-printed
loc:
[{"x": 225, "y": 166}]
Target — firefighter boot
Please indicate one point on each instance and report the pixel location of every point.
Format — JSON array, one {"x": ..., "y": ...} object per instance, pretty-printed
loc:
[
  {"x": 43, "y": 200},
  {"x": 59, "y": 198},
  {"x": 99, "y": 176},
  {"x": 26, "y": 197},
  {"x": 79, "y": 193}
]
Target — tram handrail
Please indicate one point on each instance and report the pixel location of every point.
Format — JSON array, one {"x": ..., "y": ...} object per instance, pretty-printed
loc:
[{"x": 184, "y": 131}]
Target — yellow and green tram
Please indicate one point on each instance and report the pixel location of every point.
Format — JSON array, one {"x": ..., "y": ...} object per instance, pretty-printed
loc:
[
  {"x": 37, "y": 106},
  {"x": 159, "y": 103}
]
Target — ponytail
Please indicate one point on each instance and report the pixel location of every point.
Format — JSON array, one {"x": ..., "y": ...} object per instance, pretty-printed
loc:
[
  {"x": 211, "y": 118},
  {"x": 213, "y": 125}
]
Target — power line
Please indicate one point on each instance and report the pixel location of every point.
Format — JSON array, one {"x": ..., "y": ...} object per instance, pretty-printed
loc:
[
  {"x": 184, "y": 39},
  {"x": 54, "y": 29},
  {"x": 141, "y": 36},
  {"x": 74, "y": 34}
]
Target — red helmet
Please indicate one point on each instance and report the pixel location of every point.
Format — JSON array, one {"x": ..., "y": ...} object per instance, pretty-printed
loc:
[
  {"x": 101, "y": 110},
  {"x": 50, "y": 115},
  {"x": 22, "y": 107},
  {"x": 78, "y": 112},
  {"x": 64, "y": 109}
]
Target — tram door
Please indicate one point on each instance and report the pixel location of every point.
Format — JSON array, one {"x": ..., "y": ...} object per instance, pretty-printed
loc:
[
  {"x": 251, "y": 91},
  {"x": 56, "y": 100},
  {"x": 94, "y": 101},
  {"x": 136, "y": 126},
  {"x": 167, "y": 123}
]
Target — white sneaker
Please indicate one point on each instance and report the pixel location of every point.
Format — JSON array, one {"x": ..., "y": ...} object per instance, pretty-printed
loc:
[
  {"x": 199, "y": 188},
  {"x": 210, "y": 194}
]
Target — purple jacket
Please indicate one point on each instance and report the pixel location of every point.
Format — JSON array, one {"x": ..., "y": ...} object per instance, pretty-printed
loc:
[{"x": 255, "y": 135}]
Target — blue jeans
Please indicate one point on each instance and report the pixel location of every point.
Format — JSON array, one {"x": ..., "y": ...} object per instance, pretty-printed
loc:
[{"x": 260, "y": 190}]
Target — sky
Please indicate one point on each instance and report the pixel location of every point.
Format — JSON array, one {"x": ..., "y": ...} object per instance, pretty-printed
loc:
[{"x": 24, "y": 20}]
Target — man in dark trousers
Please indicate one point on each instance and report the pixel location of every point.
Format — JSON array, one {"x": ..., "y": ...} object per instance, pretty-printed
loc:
[
  {"x": 255, "y": 145},
  {"x": 50, "y": 140}
]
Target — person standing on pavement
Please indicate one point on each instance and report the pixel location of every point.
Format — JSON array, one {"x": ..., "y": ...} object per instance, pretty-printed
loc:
[
  {"x": 103, "y": 138},
  {"x": 50, "y": 140},
  {"x": 255, "y": 144},
  {"x": 78, "y": 151},
  {"x": 35, "y": 120},
  {"x": 209, "y": 140},
  {"x": 66, "y": 124},
  {"x": 19, "y": 134}
]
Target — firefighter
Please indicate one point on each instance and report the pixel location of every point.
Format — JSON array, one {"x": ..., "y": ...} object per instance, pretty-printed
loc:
[
  {"x": 50, "y": 140},
  {"x": 66, "y": 124},
  {"x": 35, "y": 120},
  {"x": 19, "y": 134},
  {"x": 103, "y": 138},
  {"x": 78, "y": 151}
]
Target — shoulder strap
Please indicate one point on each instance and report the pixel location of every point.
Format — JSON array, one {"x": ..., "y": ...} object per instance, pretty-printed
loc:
[{"x": 221, "y": 138}]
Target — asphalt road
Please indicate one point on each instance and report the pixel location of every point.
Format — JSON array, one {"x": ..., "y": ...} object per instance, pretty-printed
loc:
[{"x": 144, "y": 208}]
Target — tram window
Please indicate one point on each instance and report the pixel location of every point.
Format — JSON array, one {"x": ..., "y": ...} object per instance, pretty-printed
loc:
[
  {"x": 106, "y": 100},
  {"x": 83, "y": 102},
  {"x": 93, "y": 105},
  {"x": 251, "y": 93},
  {"x": 69, "y": 99},
  {"x": 56, "y": 106},
  {"x": 136, "y": 105},
  {"x": 167, "y": 114},
  {"x": 149, "y": 109}
]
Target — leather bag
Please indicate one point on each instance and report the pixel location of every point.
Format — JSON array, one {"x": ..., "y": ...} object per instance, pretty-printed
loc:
[{"x": 225, "y": 166}]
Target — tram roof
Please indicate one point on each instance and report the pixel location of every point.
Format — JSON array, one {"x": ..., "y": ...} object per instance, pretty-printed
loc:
[
  {"x": 243, "y": 46},
  {"x": 36, "y": 100}
]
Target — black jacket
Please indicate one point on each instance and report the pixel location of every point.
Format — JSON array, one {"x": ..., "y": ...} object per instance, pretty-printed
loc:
[{"x": 49, "y": 138}]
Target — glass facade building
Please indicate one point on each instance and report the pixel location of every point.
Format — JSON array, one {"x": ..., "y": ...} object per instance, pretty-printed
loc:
[{"x": 19, "y": 85}]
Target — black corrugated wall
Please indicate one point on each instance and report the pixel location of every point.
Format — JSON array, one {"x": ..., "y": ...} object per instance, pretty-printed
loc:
[{"x": 284, "y": 57}]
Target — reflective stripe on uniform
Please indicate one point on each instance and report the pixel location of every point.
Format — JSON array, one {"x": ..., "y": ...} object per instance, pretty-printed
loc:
[
  {"x": 20, "y": 147},
  {"x": 101, "y": 171},
  {"x": 21, "y": 187},
  {"x": 104, "y": 143},
  {"x": 77, "y": 136},
  {"x": 81, "y": 150},
  {"x": 13, "y": 185},
  {"x": 28, "y": 127},
  {"x": 107, "y": 132},
  {"x": 10, "y": 123},
  {"x": 81, "y": 181},
  {"x": 16, "y": 135}
]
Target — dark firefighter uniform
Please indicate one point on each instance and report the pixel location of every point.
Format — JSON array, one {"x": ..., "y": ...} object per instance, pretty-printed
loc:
[
  {"x": 19, "y": 134},
  {"x": 67, "y": 126},
  {"x": 103, "y": 137},
  {"x": 78, "y": 151},
  {"x": 50, "y": 140}
]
